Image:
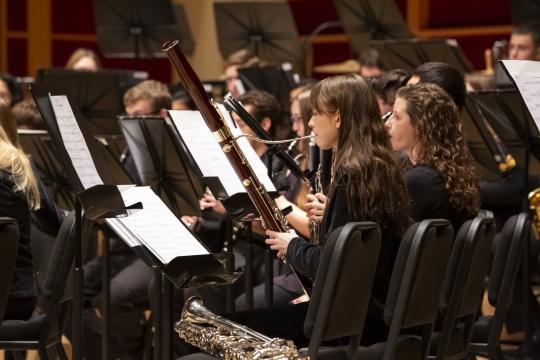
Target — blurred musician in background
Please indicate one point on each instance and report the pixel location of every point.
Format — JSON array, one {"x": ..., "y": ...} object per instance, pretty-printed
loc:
[
  {"x": 525, "y": 42},
  {"x": 83, "y": 60}
]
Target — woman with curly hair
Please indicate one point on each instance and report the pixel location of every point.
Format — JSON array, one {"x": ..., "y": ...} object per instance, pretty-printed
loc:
[{"x": 440, "y": 175}]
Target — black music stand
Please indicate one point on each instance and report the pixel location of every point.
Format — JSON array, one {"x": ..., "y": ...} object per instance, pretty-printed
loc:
[
  {"x": 408, "y": 54},
  {"x": 99, "y": 94},
  {"x": 37, "y": 144},
  {"x": 523, "y": 11},
  {"x": 510, "y": 119},
  {"x": 483, "y": 148},
  {"x": 366, "y": 20},
  {"x": 266, "y": 28},
  {"x": 104, "y": 200},
  {"x": 274, "y": 79},
  {"x": 138, "y": 28},
  {"x": 161, "y": 164}
]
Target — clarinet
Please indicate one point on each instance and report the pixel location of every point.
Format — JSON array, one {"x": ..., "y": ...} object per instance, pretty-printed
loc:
[
  {"x": 271, "y": 217},
  {"x": 315, "y": 226}
]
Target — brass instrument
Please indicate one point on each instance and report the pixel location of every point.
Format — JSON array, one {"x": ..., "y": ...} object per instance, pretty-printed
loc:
[
  {"x": 534, "y": 205},
  {"x": 228, "y": 340},
  {"x": 271, "y": 217}
]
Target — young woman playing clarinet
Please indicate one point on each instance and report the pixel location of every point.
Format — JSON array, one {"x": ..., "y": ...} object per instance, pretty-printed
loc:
[{"x": 367, "y": 183}]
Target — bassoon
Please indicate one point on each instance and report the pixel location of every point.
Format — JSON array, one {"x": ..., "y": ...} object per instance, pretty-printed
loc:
[{"x": 270, "y": 215}]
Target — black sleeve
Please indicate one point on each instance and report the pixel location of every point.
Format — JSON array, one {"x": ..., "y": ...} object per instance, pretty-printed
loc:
[
  {"x": 508, "y": 191},
  {"x": 424, "y": 193},
  {"x": 47, "y": 218},
  {"x": 305, "y": 257}
]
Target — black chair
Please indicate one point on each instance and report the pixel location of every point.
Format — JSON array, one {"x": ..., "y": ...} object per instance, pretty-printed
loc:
[
  {"x": 463, "y": 288},
  {"x": 341, "y": 292},
  {"x": 44, "y": 331},
  {"x": 413, "y": 296},
  {"x": 508, "y": 254},
  {"x": 9, "y": 239}
]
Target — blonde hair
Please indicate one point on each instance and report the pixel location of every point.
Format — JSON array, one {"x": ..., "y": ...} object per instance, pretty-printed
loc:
[
  {"x": 14, "y": 162},
  {"x": 82, "y": 53}
]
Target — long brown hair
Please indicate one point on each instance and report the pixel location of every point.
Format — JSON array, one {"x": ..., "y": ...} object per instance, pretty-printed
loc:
[
  {"x": 439, "y": 143},
  {"x": 373, "y": 178}
]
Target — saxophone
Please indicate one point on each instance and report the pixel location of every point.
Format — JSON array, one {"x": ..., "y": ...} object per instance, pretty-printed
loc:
[
  {"x": 228, "y": 340},
  {"x": 534, "y": 205}
]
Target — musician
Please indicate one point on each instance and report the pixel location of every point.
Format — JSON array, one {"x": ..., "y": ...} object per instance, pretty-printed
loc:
[
  {"x": 371, "y": 65},
  {"x": 9, "y": 89},
  {"x": 242, "y": 58},
  {"x": 502, "y": 197},
  {"x": 367, "y": 184},
  {"x": 149, "y": 97},
  {"x": 386, "y": 87},
  {"x": 440, "y": 177},
  {"x": 83, "y": 60},
  {"x": 19, "y": 195},
  {"x": 525, "y": 42}
]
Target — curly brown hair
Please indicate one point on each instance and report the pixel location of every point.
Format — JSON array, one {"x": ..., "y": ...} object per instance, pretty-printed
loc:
[
  {"x": 363, "y": 157},
  {"x": 439, "y": 143}
]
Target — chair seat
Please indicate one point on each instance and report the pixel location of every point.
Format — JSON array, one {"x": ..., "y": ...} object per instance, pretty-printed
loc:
[
  {"x": 330, "y": 352},
  {"x": 408, "y": 347},
  {"x": 481, "y": 329},
  {"x": 22, "y": 330}
]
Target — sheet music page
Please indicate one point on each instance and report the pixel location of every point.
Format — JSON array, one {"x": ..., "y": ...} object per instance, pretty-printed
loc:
[
  {"x": 526, "y": 75},
  {"x": 254, "y": 160},
  {"x": 206, "y": 151},
  {"x": 74, "y": 142},
  {"x": 157, "y": 228}
]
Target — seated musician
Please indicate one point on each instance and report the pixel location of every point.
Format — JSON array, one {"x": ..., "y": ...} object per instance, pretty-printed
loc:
[
  {"x": 367, "y": 184},
  {"x": 19, "y": 195},
  {"x": 503, "y": 197},
  {"x": 440, "y": 177}
]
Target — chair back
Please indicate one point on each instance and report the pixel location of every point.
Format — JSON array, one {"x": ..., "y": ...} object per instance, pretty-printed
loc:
[
  {"x": 416, "y": 283},
  {"x": 343, "y": 284},
  {"x": 58, "y": 289},
  {"x": 464, "y": 280},
  {"x": 9, "y": 239},
  {"x": 504, "y": 270}
]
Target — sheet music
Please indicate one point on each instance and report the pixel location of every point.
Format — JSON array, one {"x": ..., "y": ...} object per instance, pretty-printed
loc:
[
  {"x": 157, "y": 228},
  {"x": 74, "y": 142},
  {"x": 526, "y": 75},
  {"x": 208, "y": 154}
]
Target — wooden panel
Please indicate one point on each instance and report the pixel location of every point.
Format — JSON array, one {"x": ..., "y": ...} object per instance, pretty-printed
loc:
[
  {"x": 39, "y": 35},
  {"x": 18, "y": 55},
  {"x": 3, "y": 35},
  {"x": 16, "y": 15},
  {"x": 75, "y": 17}
]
